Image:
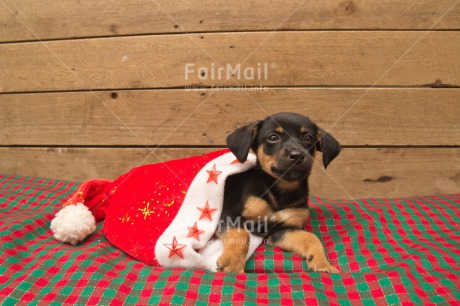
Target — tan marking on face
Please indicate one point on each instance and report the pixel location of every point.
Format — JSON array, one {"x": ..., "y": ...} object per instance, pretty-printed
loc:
[
  {"x": 308, "y": 246},
  {"x": 303, "y": 130},
  {"x": 256, "y": 208},
  {"x": 266, "y": 161},
  {"x": 318, "y": 136},
  {"x": 236, "y": 245},
  {"x": 269, "y": 161},
  {"x": 279, "y": 130},
  {"x": 296, "y": 217}
]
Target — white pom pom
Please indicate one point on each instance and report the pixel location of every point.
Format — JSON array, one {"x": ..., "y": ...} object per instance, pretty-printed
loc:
[{"x": 73, "y": 224}]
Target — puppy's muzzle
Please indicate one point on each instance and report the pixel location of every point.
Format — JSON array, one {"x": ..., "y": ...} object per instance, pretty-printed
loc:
[{"x": 295, "y": 156}]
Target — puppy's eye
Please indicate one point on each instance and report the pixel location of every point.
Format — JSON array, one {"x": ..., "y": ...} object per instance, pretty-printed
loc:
[
  {"x": 308, "y": 138},
  {"x": 273, "y": 138}
]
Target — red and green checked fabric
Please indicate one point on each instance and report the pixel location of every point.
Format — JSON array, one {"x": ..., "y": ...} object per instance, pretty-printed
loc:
[{"x": 389, "y": 251}]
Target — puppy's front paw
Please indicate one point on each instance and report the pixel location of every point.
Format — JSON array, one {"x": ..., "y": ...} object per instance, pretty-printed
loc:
[
  {"x": 230, "y": 263},
  {"x": 326, "y": 268},
  {"x": 320, "y": 265}
]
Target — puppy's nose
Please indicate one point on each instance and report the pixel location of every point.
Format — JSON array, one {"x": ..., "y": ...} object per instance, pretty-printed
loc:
[{"x": 295, "y": 155}]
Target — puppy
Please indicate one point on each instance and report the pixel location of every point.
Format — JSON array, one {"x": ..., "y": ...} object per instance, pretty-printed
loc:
[{"x": 275, "y": 191}]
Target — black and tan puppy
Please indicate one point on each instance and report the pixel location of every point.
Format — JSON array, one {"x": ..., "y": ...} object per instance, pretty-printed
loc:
[{"x": 275, "y": 190}]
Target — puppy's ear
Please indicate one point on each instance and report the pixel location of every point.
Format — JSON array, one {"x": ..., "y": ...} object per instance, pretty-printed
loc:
[
  {"x": 329, "y": 146},
  {"x": 242, "y": 139}
]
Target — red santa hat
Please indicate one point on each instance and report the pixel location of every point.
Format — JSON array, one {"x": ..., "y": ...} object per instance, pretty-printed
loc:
[{"x": 162, "y": 214}]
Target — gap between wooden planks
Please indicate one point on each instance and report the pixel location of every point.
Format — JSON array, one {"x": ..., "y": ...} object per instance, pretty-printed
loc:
[
  {"x": 357, "y": 117},
  {"x": 48, "y": 19},
  {"x": 284, "y": 58},
  {"x": 356, "y": 173}
]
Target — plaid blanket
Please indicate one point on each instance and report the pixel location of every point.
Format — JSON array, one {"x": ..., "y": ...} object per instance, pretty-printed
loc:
[{"x": 389, "y": 251}]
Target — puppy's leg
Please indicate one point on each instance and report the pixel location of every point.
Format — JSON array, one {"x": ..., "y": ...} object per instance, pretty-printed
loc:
[
  {"x": 304, "y": 244},
  {"x": 236, "y": 245},
  {"x": 291, "y": 217}
]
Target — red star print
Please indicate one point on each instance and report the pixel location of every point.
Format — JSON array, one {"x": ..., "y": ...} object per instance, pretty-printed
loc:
[
  {"x": 206, "y": 211},
  {"x": 213, "y": 174},
  {"x": 175, "y": 248},
  {"x": 194, "y": 232}
]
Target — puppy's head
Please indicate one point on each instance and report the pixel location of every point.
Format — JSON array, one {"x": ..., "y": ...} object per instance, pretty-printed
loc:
[{"x": 285, "y": 145}]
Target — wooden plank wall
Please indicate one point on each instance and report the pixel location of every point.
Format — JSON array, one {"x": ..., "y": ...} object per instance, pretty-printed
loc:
[{"x": 92, "y": 89}]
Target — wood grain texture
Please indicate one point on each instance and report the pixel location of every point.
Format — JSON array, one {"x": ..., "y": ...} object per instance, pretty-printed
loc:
[
  {"x": 176, "y": 117},
  {"x": 116, "y": 48},
  {"x": 47, "y": 19},
  {"x": 292, "y": 59},
  {"x": 355, "y": 173}
]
